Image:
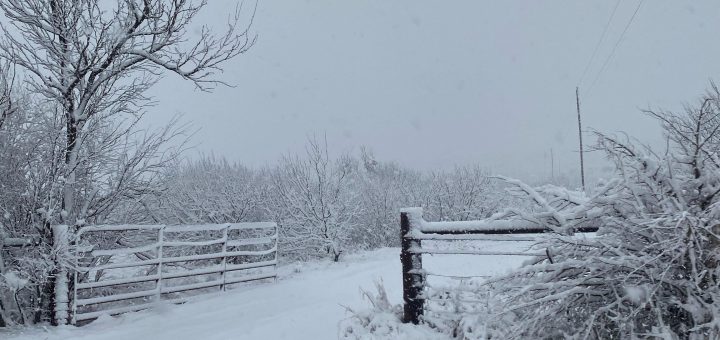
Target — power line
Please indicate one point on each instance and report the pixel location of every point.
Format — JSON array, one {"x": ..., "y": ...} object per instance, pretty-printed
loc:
[
  {"x": 582, "y": 161},
  {"x": 597, "y": 46},
  {"x": 620, "y": 39}
]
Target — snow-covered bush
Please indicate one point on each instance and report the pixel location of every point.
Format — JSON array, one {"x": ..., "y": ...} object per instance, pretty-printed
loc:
[
  {"x": 383, "y": 321},
  {"x": 652, "y": 269}
]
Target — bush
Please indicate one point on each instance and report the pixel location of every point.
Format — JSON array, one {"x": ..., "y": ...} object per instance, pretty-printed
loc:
[
  {"x": 652, "y": 269},
  {"x": 383, "y": 322}
]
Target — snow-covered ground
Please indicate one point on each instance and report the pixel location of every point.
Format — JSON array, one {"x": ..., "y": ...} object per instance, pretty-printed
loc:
[{"x": 305, "y": 303}]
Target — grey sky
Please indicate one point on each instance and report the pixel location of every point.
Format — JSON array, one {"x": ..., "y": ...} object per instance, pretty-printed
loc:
[{"x": 433, "y": 84}]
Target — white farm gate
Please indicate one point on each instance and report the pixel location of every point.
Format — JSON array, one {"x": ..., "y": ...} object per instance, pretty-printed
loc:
[{"x": 133, "y": 267}]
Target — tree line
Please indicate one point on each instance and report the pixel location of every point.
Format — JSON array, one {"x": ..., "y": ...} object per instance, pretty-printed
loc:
[{"x": 324, "y": 206}]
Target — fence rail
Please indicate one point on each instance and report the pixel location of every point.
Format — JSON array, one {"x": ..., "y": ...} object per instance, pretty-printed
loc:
[
  {"x": 224, "y": 254},
  {"x": 19, "y": 241},
  {"x": 414, "y": 229}
]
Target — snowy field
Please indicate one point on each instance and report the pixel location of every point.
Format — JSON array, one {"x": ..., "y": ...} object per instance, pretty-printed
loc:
[{"x": 306, "y": 302}]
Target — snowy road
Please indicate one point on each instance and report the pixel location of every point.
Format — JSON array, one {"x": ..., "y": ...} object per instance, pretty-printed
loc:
[{"x": 304, "y": 304}]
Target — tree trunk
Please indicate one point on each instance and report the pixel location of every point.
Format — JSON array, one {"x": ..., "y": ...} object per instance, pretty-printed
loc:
[{"x": 68, "y": 201}]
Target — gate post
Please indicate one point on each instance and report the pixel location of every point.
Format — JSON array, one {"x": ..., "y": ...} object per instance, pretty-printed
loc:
[
  {"x": 413, "y": 276},
  {"x": 224, "y": 257},
  {"x": 61, "y": 295},
  {"x": 158, "y": 282}
]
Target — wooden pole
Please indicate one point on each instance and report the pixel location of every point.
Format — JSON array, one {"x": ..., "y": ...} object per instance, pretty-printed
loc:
[
  {"x": 552, "y": 166},
  {"x": 224, "y": 257},
  {"x": 60, "y": 301},
  {"x": 412, "y": 276},
  {"x": 158, "y": 282},
  {"x": 582, "y": 162}
]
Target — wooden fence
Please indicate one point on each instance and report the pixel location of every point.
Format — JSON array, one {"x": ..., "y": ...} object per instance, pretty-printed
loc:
[
  {"x": 133, "y": 267},
  {"x": 414, "y": 229}
]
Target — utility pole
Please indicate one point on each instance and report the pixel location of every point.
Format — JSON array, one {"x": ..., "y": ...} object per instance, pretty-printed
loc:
[
  {"x": 552, "y": 166},
  {"x": 582, "y": 163}
]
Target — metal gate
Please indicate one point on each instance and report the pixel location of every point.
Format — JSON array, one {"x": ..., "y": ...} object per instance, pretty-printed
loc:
[{"x": 133, "y": 267}]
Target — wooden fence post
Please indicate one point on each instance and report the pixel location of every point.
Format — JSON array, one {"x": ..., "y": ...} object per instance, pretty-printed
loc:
[
  {"x": 224, "y": 256},
  {"x": 412, "y": 273},
  {"x": 2, "y": 245},
  {"x": 61, "y": 299},
  {"x": 75, "y": 280},
  {"x": 276, "y": 235},
  {"x": 158, "y": 282}
]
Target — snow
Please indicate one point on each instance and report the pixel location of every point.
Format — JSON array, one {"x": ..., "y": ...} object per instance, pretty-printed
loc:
[
  {"x": 420, "y": 226},
  {"x": 13, "y": 281},
  {"x": 307, "y": 302},
  {"x": 482, "y": 225},
  {"x": 636, "y": 294},
  {"x": 384, "y": 325}
]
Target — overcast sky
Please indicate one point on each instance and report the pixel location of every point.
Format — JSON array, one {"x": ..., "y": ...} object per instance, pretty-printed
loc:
[{"x": 433, "y": 84}]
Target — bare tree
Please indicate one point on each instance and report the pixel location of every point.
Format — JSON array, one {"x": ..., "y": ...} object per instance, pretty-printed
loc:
[
  {"x": 315, "y": 200},
  {"x": 94, "y": 60}
]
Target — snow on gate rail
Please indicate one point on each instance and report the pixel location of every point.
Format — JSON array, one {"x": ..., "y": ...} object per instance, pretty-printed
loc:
[
  {"x": 414, "y": 229},
  {"x": 132, "y": 267}
]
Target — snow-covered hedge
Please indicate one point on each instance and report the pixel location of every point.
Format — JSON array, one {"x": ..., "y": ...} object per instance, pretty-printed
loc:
[{"x": 652, "y": 269}]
